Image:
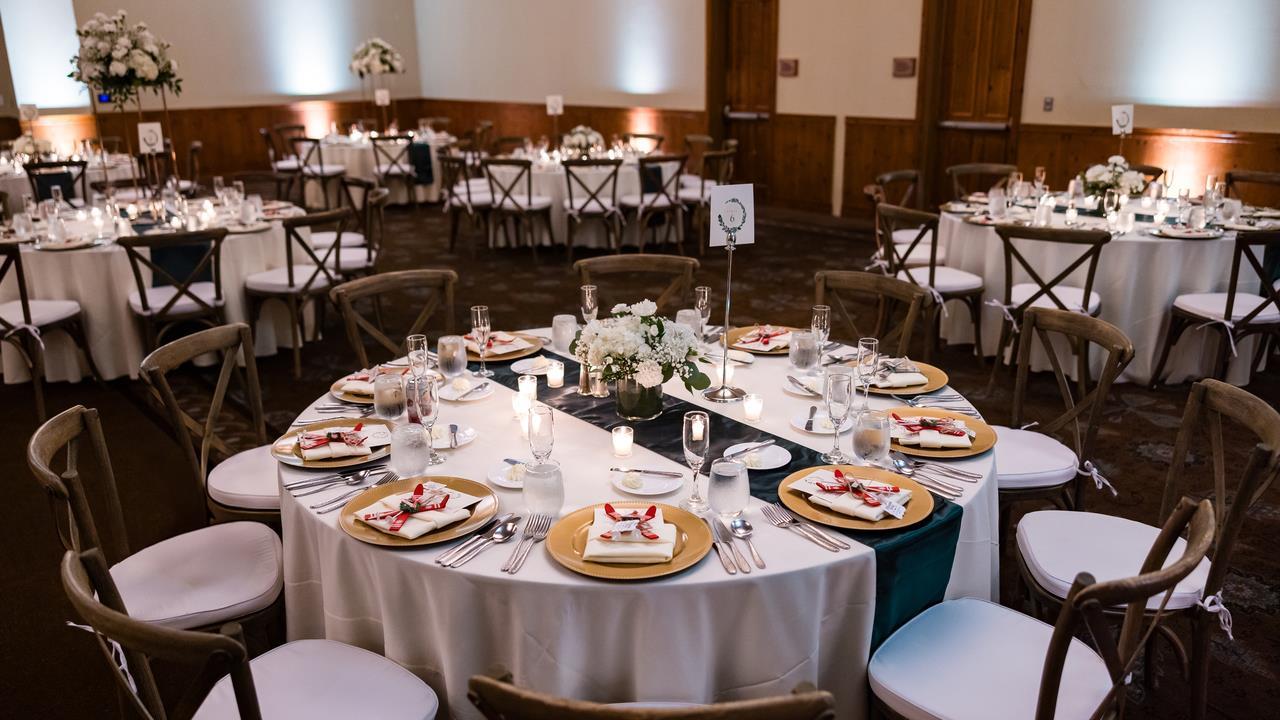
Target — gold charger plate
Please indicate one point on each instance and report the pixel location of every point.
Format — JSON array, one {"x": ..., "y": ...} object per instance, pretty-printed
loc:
[
  {"x": 982, "y": 442},
  {"x": 514, "y": 354},
  {"x": 568, "y": 539},
  {"x": 336, "y": 390},
  {"x": 918, "y": 509},
  {"x": 737, "y": 334},
  {"x": 481, "y": 512},
  {"x": 295, "y": 458},
  {"x": 937, "y": 379},
  {"x": 77, "y": 244}
]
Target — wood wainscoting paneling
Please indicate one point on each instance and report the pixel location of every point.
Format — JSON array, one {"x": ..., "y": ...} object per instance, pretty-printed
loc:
[
  {"x": 873, "y": 146},
  {"x": 802, "y": 162}
]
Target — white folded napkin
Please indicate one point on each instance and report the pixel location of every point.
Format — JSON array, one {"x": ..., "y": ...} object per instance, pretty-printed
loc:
[
  {"x": 358, "y": 387},
  {"x": 846, "y": 503},
  {"x": 928, "y": 438},
  {"x": 418, "y": 524},
  {"x": 500, "y": 343},
  {"x": 630, "y": 547},
  {"x": 900, "y": 379},
  {"x": 373, "y": 436},
  {"x": 776, "y": 342}
]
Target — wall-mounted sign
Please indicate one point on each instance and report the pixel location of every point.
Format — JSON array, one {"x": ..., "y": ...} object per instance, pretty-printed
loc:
[
  {"x": 788, "y": 67},
  {"x": 904, "y": 67}
]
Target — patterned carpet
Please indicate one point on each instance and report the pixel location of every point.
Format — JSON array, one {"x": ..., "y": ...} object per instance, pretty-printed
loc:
[{"x": 53, "y": 670}]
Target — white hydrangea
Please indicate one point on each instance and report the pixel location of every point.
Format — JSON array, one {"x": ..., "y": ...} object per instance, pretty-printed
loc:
[
  {"x": 637, "y": 344},
  {"x": 1095, "y": 173},
  {"x": 645, "y": 308},
  {"x": 376, "y": 56},
  {"x": 1132, "y": 182},
  {"x": 649, "y": 374}
]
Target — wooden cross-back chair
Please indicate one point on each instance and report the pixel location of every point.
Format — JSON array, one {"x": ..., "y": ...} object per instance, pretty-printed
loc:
[
  {"x": 832, "y": 286},
  {"x": 69, "y": 175},
  {"x": 679, "y": 269},
  {"x": 166, "y": 301},
  {"x": 391, "y": 163},
  {"x": 660, "y": 200},
  {"x": 505, "y": 144},
  {"x": 1084, "y": 679},
  {"x": 1231, "y": 314},
  {"x": 462, "y": 197},
  {"x": 254, "y": 180},
  {"x": 655, "y": 138},
  {"x": 511, "y": 191},
  {"x": 286, "y": 132},
  {"x": 313, "y": 168},
  {"x": 717, "y": 169},
  {"x": 977, "y": 171},
  {"x": 1236, "y": 178},
  {"x": 695, "y": 145},
  {"x": 25, "y": 322},
  {"x": 596, "y": 182},
  {"x": 437, "y": 284},
  {"x": 1150, "y": 173},
  {"x": 234, "y": 344},
  {"x": 497, "y": 698},
  {"x": 361, "y": 237},
  {"x": 907, "y": 180}
]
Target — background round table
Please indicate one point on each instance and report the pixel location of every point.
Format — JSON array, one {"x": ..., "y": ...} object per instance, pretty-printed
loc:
[
  {"x": 15, "y": 184},
  {"x": 357, "y": 157}
]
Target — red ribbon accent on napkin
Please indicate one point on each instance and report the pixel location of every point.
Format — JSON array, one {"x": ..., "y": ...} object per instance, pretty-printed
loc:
[
  {"x": 761, "y": 335},
  {"x": 311, "y": 441},
  {"x": 642, "y": 525},
  {"x": 408, "y": 508},
  {"x": 946, "y": 426},
  {"x": 843, "y": 484},
  {"x": 492, "y": 341}
]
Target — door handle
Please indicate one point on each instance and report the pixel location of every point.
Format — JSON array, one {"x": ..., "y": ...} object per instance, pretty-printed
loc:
[
  {"x": 997, "y": 126},
  {"x": 731, "y": 114}
]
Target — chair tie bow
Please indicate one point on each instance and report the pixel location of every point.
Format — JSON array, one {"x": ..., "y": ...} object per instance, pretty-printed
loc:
[
  {"x": 878, "y": 263},
  {"x": 1006, "y": 310},
  {"x": 34, "y": 330},
  {"x": 1230, "y": 333},
  {"x": 117, "y": 654},
  {"x": 1214, "y": 604},
  {"x": 1099, "y": 480}
]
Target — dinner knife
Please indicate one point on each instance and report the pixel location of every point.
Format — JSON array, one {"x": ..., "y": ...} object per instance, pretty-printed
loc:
[
  {"x": 719, "y": 546},
  {"x": 802, "y": 387},
  {"x": 808, "y": 424},
  {"x": 657, "y": 473},
  {"x": 475, "y": 389},
  {"x": 748, "y": 450},
  {"x": 726, "y": 537}
]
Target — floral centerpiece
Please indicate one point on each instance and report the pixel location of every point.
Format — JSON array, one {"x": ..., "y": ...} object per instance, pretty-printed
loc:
[
  {"x": 1115, "y": 175},
  {"x": 639, "y": 351},
  {"x": 376, "y": 56},
  {"x": 28, "y": 145},
  {"x": 120, "y": 59},
  {"x": 580, "y": 141}
]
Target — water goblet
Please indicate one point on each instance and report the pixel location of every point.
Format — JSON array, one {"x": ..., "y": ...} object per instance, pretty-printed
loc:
[
  {"x": 543, "y": 490},
  {"x": 804, "y": 352},
  {"x": 389, "y": 400},
  {"x": 690, "y": 318},
  {"x": 697, "y": 440},
  {"x": 728, "y": 488},
  {"x": 871, "y": 437}
]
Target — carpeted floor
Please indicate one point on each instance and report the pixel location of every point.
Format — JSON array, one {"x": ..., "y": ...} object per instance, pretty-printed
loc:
[{"x": 52, "y": 670}]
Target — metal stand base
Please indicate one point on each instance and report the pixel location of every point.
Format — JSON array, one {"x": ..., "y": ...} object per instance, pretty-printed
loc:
[{"x": 724, "y": 394}]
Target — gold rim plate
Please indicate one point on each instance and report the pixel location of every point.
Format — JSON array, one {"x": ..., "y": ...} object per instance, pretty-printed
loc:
[
  {"x": 736, "y": 334},
  {"x": 78, "y": 244},
  {"x": 481, "y": 512},
  {"x": 568, "y": 539},
  {"x": 937, "y": 379},
  {"x": 982, "y": 442},
  {"x": 918, "y": 509},
  {"x": 514, "y": 354},
  {"x": 295, "y": 458},
  {"x": 336, "y": 391}
]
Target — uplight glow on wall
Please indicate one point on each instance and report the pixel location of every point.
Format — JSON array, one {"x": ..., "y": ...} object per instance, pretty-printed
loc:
[
  {"x": 310, "y": 46},
  {"x": 643, "y": 58},
  {"x": 40, "y": 38}
]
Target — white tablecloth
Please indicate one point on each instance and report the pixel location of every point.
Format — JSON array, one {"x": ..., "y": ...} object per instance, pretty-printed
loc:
[
  {"x": 699, "y": 636},
  {"x": 357, "y": 158},
  {"x": 16, "y": 185},
  {"x": 1138, "y": 277},
  {"x": 100, "y": 279}
]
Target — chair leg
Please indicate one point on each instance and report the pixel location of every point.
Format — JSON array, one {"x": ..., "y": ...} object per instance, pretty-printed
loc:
[
  {"x": 1005, "y": 331},
  {"x": 1224, "y": 349},
  {"x": 568, "y": 245},
  {"x": 546, "y": 222},
  {"x": 76, "y": 328},
  {"x": 36, "y": 353},
  {"x": 1201, "y": 626},
  {"x": 295, "y": 322},
  {"x": 1177, "y": 326},
  {"x": 975, "y": 314}
]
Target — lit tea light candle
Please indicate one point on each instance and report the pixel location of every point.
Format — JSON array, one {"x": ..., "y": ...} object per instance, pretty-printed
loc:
[
  {"x": 753, "y": 406},
  {"x": 529, "y": 386},
  {"x": 697, "y": 430},
  {"x": 623, "y": 437},
  {"x": 132, "y": 211},
  {"x": 520, "y": 403},
  {"x": 81, "y": 216},
  {"x": 1071, "y": 216},
  {"x": 555, "y": 374}
]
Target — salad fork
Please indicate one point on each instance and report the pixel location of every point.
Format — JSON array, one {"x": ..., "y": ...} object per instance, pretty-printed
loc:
[
  {"x": 336, "y": 503},
  {"x": 777, "y": 520},
  {"x": 534, "y": 531},
  {"x": 786, "y": 513}
]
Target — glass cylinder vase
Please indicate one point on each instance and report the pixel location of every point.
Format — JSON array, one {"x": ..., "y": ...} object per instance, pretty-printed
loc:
[{"x": 636, "y": 402}]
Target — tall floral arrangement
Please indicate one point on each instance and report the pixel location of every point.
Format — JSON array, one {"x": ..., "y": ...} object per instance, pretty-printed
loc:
[
  {"x": 376, "y": 56},
  {"x": 1115, "y": 175},
  {"x": 636, "y": 344},
  {"x": 582, "y": 140},
  {"x": 122, "y": 59}
]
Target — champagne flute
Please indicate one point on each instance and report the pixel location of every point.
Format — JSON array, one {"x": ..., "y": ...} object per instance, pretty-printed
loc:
[
  {"x": 541, "y": 438},
  {"x": 820, "y": 325},
  {"x": 702, "y": 302},
  {"x": 1111, "y": 200},
  {"x": 871, "y": 437},
  {"x": 590, "y": 302},
  {"x": 428, "y": 403},
  {"x": 697, "y": 440},
  {"x": 417, "y": 346},
  {"x": 1041, "y": 177},
  {"x": 839, "y": 395},
  {"x": 868, "y": 360},
  {"x": 480, "y": 331}
]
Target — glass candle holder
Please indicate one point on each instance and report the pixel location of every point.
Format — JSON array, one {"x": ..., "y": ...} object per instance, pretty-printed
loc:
[
  {"x": 528, "y": 386},
  {"x": 520, "y": 404},
  {"x": 623, "y": 437},
  {"x": 555, "y": 374},
  {"x": 752, "y": 406}
]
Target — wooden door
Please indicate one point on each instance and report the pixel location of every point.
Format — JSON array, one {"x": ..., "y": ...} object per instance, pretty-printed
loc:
[{"x": 742, "y": 52}]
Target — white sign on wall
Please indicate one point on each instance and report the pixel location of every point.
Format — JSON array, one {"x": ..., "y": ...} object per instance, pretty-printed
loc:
[
  {"x": 382, "y": 97},
  {"x": 733, "y": 212},
  {"x": 150, "y": 137},
  {"x": 1121, "y": 119},
  {"x": 555, "y": 104}
]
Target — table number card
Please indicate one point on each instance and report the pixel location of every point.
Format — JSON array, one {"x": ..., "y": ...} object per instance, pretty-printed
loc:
[
  {"x": 733, "y": 211},
  {"x": 28, "y": 113},
  {"x": 150, "y": 137},
  {"x": 1121, "y": 119},
  {"x": 381, "y": 97},
  {"x": 555, "y": 105}
]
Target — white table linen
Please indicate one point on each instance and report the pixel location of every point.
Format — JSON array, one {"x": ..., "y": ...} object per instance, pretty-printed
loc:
[
  {"x": 14, "y": 181},
  {"x": 358, "y": 158},
  {"x": 698, "y": 636}
]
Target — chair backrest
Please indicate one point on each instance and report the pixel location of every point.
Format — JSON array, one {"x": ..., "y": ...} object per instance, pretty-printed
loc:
[
  {"x": 1093, "y": 242},
  {"x": 273, "y": 148},
  {"x": 506, "y": 143},
  {"x": 235, "y": 344},
  {"x": 1150, "y": 173},
  {"x": 209, "y": 265},
  {"x": 111, "y": 143},
  {"x": 497, "y": 698},
  {"x": 890, "y": 218},
  {"x": 1088, "y": 603},
  {"x": 1235, "y": 178},
  {"x": 75, "y": 517},
  {"x": 194, "y": 151},
  {"x": 437, "y": 284},
  {"x": 309, "y": 151},
  {"x": 1083, "y": 333},
  {"x": 128, "y": 645},
  {"x": 1264, "y": 264},
  {"x": 286, "y": 132},
  {"x": 977, "y": 171},
  {"x": 717, "y": 166},
  {"x": 391, "y": 155},
  {"x": 654, "y": 138},
  {"x": 294, "y": 243},
  {"x": 368, "y": 201},
  {"x": 666, "y": 170},
  {"x": 909, "y": 183},
  {"x": 831, "y": 287},
  {"x": 695, "y": 145},
  {"x": 154, "y": 168},
  {"x": 597, "y": 182},
  {"x": 278, "y": 180},
  {"x": 679, "y": 269},
  {"x": 435, "y": 123},
  {"x": 66, "y": 174},
  {"x": 11, "y": 260},
  {"x": 504, "y": 185},
  {"x": 454, "y": 175}
]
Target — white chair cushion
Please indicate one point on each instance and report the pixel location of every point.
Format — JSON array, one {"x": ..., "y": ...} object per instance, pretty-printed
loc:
[
  {"x": 278, "y": 280},
  {"x": 288, "y": 164},
  {"x": 326, "y": 238},
  {"x": 1214, "y": 305},
  {"x": 591, "y": 205},
  {"x": 203, "y": 577},
  {"x": 645, "y": 200},
  {"x": 970, "y": 659},
  {"x": 158, "y": 296},
  {"x": 694, "y": 194},
  {"x": 945, "y": 279},
  {"x": 1070, "y": 296},
  {"x": 523, "y": 202},
  {"x": 1026, "y": 459},
  {"x": 401, "y": 168},
  {"x": 920, "y": 254},
  {"x": 477, "y": 199},
  {"x": 690, "y": 180},
  {"x": 317, "y": 679},
  {"x": 326, "y": 170},
  {"x": 906, "y": 236},
  {"x": 43, "y": 312},
  {"x": 246, "y": 480},
  {"x": 1058, "y": 544},
  {"x": 353, "y": 259}
]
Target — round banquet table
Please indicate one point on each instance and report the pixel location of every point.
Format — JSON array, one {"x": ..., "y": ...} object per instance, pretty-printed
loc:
[
  {"x": 1138, "y": 277},
  {"x": 698, "y": 636},
  {"x": 356, "y": 156},
  {"x": 13, "y": 181},
  {"x": 101, "y": 279}
]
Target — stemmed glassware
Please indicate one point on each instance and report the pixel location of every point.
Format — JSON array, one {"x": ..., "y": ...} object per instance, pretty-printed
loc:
[
  {"x": 427, "y": 394},
  {"x": 839, "y": 395},
  {"x": 1041, "y": 177},
  {"x": 697, "y": 440},
  {"x": 702, "y": 302},
  {"x": 541, "y": 438},
  {"x": 480, "y": 331},
  {"x": 419, "y": 361},
  {"x": 590, "y": 302},
  {"x": 820, "y": 324},
  {"x": 868, "y": 361}
]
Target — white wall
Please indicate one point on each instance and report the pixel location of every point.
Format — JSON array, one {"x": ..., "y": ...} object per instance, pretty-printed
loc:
[
  {"x": 613, "y": 53},
  {"x": 40, "y": 40},
  {"x": 1184, "y": 63}
]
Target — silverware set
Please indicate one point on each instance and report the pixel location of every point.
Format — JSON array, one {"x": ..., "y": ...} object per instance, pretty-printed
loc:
[
  {"x": 535, "y": 531},
  {"x": 949, "y": 401},
  {"x": 336, "y": 503},
  {"x": 779, "y": 516},
  {"x": 503, "y": 530}
]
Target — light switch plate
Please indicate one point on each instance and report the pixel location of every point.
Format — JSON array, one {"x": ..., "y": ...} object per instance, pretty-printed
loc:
[{"x": 1048, "y": 103}]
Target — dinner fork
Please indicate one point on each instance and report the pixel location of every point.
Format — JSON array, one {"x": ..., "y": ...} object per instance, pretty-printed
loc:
[
  {"x": 534, "y": 531},
  {"x": 777, "y": 520},
  {"x": 787, "y": 514},
  {"x": 341, "y": 500},
  {"x": 352, "y": 480}
]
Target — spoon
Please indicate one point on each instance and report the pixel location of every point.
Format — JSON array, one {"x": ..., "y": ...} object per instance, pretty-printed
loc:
[
  {"x": 898, "y": 457},
  {"x": 470, "y": 542},
  {"x": 352, "y": 481},
  {"x": 939, "y": 486},
  {"x": 502, "y": 533},
  {"x": 741, "y": 529}
]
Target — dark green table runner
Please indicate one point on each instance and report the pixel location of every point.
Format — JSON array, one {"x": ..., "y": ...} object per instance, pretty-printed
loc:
[{"x": 913, "y": 565}]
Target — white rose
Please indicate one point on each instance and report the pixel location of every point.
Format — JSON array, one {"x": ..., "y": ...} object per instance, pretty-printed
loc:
[
  {"x": 118, "y": 68},
  {"x": 1117, "y": 160},
  {"x": 644, "y": 308},
  {"x": 1132, "y": 181},
  {"x": 620, "y": 308},
  {"x": 1095, "y": 173}
]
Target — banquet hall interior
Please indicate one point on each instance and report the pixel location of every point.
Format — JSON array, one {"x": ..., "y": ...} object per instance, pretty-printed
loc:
[{"x": 640, "y": 359}]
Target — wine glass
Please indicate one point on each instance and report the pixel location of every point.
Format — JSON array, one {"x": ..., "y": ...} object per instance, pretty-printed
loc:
[
  {"x": 418, "y": 362},
  {"x": 838, "y": 394},
  {"x": 1041, "y": 177},
  {"x": 541, "y": 438},
  {"x": 427, "y": 394},
  {"x": 389, "y": 398},
  {"x": 219, "y": 189},
  {"x": 820, "y": 325},
  {"x": 590, "y": 302},
  {"x": 697, "y": 440},
  {"x": 702, "y": 303},
  {"x": 871, "y": 437},
  {"x": 1111, "y": 200},
  {"x": 480, "y": 332},
  {"x": 55, "y": 194},
  {"x": 451, "y": 356},
  {"x": 868, "y": 360}
]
